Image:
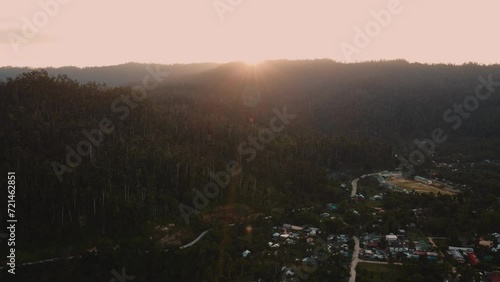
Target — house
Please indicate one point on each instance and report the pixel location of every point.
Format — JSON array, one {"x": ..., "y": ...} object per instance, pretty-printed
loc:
[
  {"x": 284, "y": 236},
  {"x": 463, "y": 249},
  {"x": 493, "y": 276},
  {"x": 332, "y": 206},
  {"x": 309, "y": 260},
  {"x": 246, "y": 253},
  {"x": 287, "y": 271},
  {"x": 398, "y": 249},
  {"x": 473, "y": 259},
  {"x": 376, "y": 197},
  {"x": 391, "y": 237},
  {"x": 423, "y": 180},
  {"x": 325, "y": 215},
  {"x": 422, "y": 246},
  {"x": 456, "y": 255},
  {"x": 485, "y": 243}
]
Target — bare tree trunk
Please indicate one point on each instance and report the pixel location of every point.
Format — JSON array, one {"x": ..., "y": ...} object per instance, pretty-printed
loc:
[{"x": 70, "y": 217}]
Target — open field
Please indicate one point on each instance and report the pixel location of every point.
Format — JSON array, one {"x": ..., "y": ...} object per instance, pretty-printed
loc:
[
  {"x": 442, "y": 244},
  {"x": 417, "y": 186},
  {"x": 379, "y": 272}
]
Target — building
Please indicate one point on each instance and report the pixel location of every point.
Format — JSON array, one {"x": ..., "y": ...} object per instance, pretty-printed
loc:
[
  {"x": 493, "y": 276},
  {"x": 457, "y": 256},
  {"x": 473, "y": 259},
  {"x": 463, "y": 249},
  {"x": 391, "y": 237},
  {"x": 423, "y": 180}
]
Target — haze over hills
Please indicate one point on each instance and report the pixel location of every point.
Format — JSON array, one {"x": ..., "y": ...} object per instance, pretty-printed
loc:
[
  {"x": 118, "y": 75},
  {"x": 372, "y": 98},
  {"x": 129, "y": 73}
]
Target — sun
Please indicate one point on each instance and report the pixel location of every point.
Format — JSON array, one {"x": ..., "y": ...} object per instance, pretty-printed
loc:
[{"x": 252, "y": 61}]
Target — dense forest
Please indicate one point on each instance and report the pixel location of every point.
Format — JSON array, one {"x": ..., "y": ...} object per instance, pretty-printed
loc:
[{"x": 348, "y": 118}]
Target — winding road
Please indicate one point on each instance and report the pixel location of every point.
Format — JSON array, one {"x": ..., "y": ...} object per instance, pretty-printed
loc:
[
  {"x": 68, "y": 258},
  {"x": 355, "y": 259},
  {"x": 195, "y": 240},
  {"x": 354, "y": 183},
  {"x": 355, "y": 253}
]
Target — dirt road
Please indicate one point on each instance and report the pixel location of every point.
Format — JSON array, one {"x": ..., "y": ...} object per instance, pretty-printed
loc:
[{"x": 355, "y": 259}]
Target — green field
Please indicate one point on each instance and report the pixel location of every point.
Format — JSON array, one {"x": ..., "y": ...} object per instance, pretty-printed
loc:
[
  {"x": 370, "y": 272},
  {"x": 442, "y": 244}
]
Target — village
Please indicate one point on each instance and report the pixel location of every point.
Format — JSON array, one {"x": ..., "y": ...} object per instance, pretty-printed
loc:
[{"x": 310, "y": 247}]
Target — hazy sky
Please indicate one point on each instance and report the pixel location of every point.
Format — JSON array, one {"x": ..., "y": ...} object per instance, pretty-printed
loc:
[{"x": 105, "y": 32}]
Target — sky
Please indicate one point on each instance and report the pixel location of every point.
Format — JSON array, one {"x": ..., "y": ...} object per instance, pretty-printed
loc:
[{"x": 43, "y": 33}]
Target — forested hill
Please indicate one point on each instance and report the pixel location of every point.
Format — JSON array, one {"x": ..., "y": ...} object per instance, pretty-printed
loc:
[
  {"x": 346, "y": 117},
  {"x": 119, "y": 75},
  {"x": 393, "y": 98}
]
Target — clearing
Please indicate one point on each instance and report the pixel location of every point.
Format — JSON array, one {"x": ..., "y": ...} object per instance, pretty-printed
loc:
[{"x": 417, "y": 186}]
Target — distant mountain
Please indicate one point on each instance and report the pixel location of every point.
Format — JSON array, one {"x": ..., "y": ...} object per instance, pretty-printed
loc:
[{"x": 118, "y": 75}]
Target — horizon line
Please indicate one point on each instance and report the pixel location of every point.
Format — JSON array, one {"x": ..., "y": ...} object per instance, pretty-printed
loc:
[{"x": 263, "y": 61}]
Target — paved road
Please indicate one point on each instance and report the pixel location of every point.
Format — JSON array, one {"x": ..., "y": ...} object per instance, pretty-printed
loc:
[
  {"x": 44, "y": 261},
  {"x": 355, "y": 253},
  {"x": 195, "y": 240},
  {"x": 434, "y": 244},
  {"x": 355, "y": 259},
  {"x": 68, "y": 258},
  {"x": 354, "y": 185}
]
